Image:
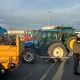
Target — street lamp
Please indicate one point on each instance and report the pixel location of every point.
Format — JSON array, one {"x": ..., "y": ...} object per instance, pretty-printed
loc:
[{"x": 49, "y": 16}]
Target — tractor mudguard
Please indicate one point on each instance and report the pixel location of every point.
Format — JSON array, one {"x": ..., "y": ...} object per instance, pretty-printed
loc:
[{"x": 28, "y": 44}]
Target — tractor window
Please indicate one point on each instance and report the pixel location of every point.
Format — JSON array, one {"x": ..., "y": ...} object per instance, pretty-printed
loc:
[
  {"x": 69, "y": 31},
  {"x": 44, "y": 35},
  {"x": 54, "y": 36},
  {"x": 49, "y": 35}
]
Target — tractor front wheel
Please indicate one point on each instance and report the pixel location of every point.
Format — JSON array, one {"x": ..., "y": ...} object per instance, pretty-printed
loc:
[{"x": 29, "y": 55}]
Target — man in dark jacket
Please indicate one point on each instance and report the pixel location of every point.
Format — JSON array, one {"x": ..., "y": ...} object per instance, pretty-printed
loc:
[{"x": 76, "y": 55}]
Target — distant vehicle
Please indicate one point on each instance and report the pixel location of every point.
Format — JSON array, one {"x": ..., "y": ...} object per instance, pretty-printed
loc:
[
  {"x": 3, "y": 30},
  {"x": 49, "y": 43},
  {"x": 27, "y": 38},
  {"x": 77, "y": 33}
]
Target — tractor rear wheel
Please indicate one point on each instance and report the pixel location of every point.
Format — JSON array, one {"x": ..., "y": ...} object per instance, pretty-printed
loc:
[
  {"x": 57, "y": 50},
  {"x": 70, "y": 42}
]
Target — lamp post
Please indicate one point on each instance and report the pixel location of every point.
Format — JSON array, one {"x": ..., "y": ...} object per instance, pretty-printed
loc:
[{"x": 49, "y": 16}]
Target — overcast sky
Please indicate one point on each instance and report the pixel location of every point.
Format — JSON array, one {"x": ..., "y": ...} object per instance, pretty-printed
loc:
[{"x": 36, "y": 13}]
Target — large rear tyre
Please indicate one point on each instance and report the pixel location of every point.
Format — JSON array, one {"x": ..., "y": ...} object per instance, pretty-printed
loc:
[
  {"x": 57, "y": 50},
  {"x": 70, "y": 42},
  {"x": 29, "y": 56}
]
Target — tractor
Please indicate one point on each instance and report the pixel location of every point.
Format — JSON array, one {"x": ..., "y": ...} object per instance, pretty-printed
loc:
[
  {"x": 3, "y": 30},
  {"x": 52, "y": 44}
]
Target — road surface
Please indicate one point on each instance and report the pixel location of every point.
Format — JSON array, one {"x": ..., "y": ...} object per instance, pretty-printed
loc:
[{"x": 43, "y": 69}]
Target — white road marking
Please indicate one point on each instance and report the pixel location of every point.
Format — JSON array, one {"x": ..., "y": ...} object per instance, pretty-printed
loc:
[
  {"x": 46, "y": 73},
  {"x": 27, "y": 76},
  {"x": 59, "y": 72}
]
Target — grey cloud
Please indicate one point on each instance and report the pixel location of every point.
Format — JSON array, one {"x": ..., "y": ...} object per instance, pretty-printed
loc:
[{"x": 12, "y": 14}]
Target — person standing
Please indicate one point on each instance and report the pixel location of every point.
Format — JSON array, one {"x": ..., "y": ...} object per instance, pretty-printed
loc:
[{"x": 76, "y": 55}]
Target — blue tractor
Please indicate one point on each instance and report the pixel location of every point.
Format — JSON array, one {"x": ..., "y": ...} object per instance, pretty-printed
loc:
[
  {"x": 3, "y": 30},
  {"x": 48, "y": 43}
]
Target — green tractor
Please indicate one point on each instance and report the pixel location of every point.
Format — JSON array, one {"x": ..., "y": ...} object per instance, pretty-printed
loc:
[{"x": 49, "y": 44}]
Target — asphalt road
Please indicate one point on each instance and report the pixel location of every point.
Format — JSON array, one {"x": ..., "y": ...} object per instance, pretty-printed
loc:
[{"x": 43, "y": 69}]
